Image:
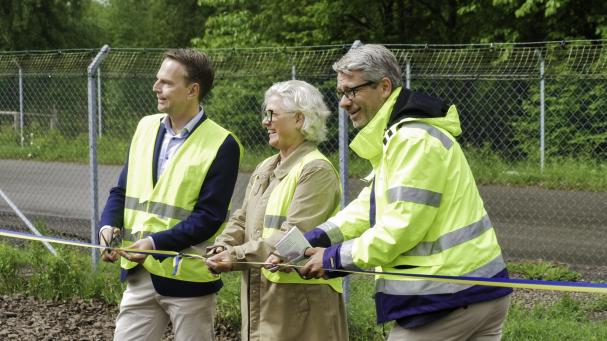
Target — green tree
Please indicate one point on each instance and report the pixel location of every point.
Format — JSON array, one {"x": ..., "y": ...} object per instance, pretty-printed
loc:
[
  {"x": 240, "y": 23},
  {"x": 153, "y": 23},
  {"x": 47, "y": 24},
  {"x": 536, "y": 20}
]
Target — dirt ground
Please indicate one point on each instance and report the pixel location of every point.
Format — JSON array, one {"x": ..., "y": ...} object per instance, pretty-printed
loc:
[{"x": 26, "y": 318}]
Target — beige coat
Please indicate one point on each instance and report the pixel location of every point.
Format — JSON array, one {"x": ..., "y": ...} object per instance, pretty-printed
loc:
[{"x": 283, "y": 312}]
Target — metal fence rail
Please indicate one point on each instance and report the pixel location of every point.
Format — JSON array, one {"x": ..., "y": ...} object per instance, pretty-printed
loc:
[{"x": 534, "y": 103}]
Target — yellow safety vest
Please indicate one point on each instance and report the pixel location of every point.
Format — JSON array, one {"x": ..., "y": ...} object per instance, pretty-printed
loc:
[
  {"x": 150, "y": 209},
  {"x": 276, "y": 213}
]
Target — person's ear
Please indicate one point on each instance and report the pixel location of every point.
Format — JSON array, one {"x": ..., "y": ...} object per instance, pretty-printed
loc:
[
  {"x": 300, "y": 118},
  {"x": 385, "y": 86},
  {"x": 194, "y": 90}
]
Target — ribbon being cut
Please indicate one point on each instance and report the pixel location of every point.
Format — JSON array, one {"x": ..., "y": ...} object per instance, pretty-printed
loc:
[{"x": 589, "y": 287}]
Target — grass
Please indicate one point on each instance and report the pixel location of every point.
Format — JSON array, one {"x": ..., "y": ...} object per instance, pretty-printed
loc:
[
  {"x": 563, "y": 173},
  {"x": 31, "y": 270},
  {"x": 567, "y": 319},
  {"x": 52, "y": 146},
  {"x": 543, "y": 270}
]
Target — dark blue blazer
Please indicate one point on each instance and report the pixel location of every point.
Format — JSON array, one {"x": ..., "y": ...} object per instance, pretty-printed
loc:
[{"x": 209, "y": 213}]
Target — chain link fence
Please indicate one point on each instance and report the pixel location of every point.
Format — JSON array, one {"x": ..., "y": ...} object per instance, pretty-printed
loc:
[{"x": 526, "y": 110}]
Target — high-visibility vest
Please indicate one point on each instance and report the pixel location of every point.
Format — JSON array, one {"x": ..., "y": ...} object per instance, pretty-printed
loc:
[
  {"x": 276, "y": 213},
  {"x": 150, "y": 209}
]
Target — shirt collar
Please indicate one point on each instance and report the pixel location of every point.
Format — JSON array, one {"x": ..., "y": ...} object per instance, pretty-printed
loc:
[{"x": 187, "y": 128}]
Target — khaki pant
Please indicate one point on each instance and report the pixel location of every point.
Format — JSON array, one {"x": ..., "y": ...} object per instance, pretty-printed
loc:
[
  {"x": 479, "y": 322},
  {"x": 144, "y": 314}
]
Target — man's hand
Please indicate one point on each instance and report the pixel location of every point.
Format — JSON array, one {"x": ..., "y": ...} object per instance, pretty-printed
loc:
[
  {"x": 106, "y": 237},
  {"x": 221, "y": 262},
  {"x": 275, "y": 260},
  {"x": 141, "y": 244},
  {"x": 313, "y": 268}
]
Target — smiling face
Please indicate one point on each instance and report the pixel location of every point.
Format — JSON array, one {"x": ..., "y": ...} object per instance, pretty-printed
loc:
[
  {"x": 368, "y": 100},
  {"x": 173, "y": 93},
  {"x": 284, "y": 131}
]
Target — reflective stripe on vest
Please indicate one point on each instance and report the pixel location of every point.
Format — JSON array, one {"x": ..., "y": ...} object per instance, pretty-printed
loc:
[
  {"x": 276, "y": 213},
  {"x": 154, "y": 208}
]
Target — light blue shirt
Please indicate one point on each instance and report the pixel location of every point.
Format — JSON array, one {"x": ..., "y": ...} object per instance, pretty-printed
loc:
[{"x": 172, "y": 142}]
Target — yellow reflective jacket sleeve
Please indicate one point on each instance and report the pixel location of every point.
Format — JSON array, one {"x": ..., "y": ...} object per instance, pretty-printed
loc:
[{"x": 353, "y": 219}]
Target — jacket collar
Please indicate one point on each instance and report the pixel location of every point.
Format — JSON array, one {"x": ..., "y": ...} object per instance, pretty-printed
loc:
[
  {"x": 402, "y": 104},
  {"x": 368, "y": 142},
  {"x": 413, "y": 104}
]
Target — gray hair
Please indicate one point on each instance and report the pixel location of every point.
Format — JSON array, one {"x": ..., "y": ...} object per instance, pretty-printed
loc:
[
  {"x": 374, "y": 61},
  {"x": 299, "y": 96}
]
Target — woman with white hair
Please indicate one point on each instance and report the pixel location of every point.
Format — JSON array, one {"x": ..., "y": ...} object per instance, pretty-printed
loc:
[{"x": 298, "y": 187}]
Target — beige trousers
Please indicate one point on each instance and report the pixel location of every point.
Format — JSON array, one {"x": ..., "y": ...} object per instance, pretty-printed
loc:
[
  {"x": 479, "y": 322},
  {"x": 144, "y": 314}
]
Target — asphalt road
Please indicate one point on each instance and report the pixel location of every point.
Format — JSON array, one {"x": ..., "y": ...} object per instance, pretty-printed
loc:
[{"x": 531, "y": 222}]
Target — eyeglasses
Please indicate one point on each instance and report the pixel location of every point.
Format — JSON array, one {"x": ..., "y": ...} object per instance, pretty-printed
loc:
[
  {"x": 267, "y": 115},
  {"x": 270, "y": 115},
  {"x": 350, "y": 93}
]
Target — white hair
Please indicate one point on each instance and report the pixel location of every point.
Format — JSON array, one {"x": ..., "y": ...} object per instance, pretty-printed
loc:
[
  {"x": 300, "y": 97},
  {"x": 374, "y": 61}
]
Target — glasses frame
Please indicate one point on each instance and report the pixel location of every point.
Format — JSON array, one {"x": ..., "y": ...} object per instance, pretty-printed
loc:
[
  {"x": 267, "y": 115},
  {"x": 270, "y": 115},
  {"x": 350, "y": 93}
]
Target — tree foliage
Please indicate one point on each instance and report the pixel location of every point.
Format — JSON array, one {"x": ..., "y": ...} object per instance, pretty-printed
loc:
[
  {"x": 238, "y": 23},
  {"x": 54, "y": 24},
  {"x": 152, "y": 23},
  {"x": 47, "y": 24}
]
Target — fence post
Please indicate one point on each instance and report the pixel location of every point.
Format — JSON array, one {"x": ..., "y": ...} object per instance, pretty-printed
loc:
[
  {"x": 92, "y": 70},
  {"x": 343, "y": 169},
  {"x": 99, "y": 105},
  {"x": 408, "y": 74},
  {"x": 293, "y": 74},
  {"x": 20, "y": 102},
  {"x": 542, "y": 108}
]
